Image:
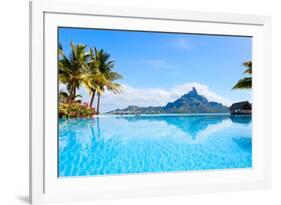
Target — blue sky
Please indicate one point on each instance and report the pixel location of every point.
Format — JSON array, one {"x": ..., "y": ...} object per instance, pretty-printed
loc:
[{"x": 165, "y": 65}]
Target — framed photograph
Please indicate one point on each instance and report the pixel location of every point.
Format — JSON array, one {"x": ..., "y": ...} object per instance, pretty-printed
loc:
[{"x": 129, "y": 102}]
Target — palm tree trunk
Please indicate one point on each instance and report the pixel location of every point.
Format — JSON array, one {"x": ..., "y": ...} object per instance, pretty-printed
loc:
[
  {"x": 72, "y": 93},
  {"x": 98, "y": 105},
  {"x": 92, "y": 98}
]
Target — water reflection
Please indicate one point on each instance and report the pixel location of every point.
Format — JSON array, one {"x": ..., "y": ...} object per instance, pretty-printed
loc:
[
  {"x": 80, "y": 130},
  {"x": 241, "y": 119},
  {"x": 192, "y": 125},
  {"x": 84, "y": 136},
  {"x": 131, "y": 144}
]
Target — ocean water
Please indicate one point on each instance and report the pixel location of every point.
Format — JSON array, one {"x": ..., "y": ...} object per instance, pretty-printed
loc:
[{"x": 153, "y": 143}]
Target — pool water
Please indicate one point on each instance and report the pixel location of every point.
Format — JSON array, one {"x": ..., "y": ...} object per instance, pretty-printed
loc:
[{"x": 153, "y": 143}]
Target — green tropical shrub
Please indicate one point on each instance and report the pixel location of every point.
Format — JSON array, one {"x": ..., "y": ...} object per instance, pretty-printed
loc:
[
  {"x": 75, "y": 110},
  {"x": 88, "y": 67}
]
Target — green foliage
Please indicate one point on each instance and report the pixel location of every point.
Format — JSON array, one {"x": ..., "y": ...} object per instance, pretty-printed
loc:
[
  {"x": 103, "y": 66},
  {"x": 72, "y": 68},
  {"x": 64, "y": 97},
  {"x": 245, "y": 83},
  {"x": 75, "y": 110},
  {"x": 91, "y": 69}
]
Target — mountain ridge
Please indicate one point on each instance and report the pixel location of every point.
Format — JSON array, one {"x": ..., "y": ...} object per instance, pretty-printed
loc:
[{"x": 190, "y": 102}]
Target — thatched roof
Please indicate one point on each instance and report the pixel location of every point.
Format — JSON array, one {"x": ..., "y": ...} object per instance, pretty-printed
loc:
[{"x": 245, "y": 105}]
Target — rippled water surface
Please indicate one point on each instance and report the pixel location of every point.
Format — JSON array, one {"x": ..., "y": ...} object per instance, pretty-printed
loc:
[{"x": 155, "y": 143}]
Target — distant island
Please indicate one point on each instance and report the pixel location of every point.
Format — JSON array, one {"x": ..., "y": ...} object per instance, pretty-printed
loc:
[{"x": 191, "y": 102}]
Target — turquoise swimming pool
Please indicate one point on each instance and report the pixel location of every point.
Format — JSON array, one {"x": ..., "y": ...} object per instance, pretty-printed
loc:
[{"x": 153, "y": 143}]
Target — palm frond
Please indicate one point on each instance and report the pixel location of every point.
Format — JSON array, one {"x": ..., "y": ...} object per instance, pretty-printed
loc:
[
  {"x": 245, "y": 83},
  {"x": 248, "y": 64}
]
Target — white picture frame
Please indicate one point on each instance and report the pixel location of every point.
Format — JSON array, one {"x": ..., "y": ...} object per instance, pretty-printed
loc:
[{"x": 46, "y": 187}]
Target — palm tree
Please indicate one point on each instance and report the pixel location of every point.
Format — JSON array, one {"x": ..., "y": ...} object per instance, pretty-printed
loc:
[
  {"x": 104, "y": 68},
  {"x": 246, "y": 82},
  {"x": 60, "y": 49},
  {"x": 64, "y": 97},
  {"x": 94, "y": 78},
  {"x": 91, "y": 83},
  {"x": 72, "y": 69}
]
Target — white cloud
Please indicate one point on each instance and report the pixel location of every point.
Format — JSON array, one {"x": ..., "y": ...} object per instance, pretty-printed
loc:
[
  {"x": 182, "y": 43},
  {"x": 179, "y": 90},
  {"x": 155, "y": 96},
  {"x": 150, "y": 96},
  {"x": 135, "y": 96}
]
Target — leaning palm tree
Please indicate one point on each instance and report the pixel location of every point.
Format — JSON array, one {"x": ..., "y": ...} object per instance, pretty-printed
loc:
[
  {"x": 246, "y": 82},
  {"x": 107, "y": 85},
  {"x": 72, "y": 68},
  {"x": 104, "y": 67},
  {"x": 94, "y": 78},
  {"x": 92, "y": 83}
]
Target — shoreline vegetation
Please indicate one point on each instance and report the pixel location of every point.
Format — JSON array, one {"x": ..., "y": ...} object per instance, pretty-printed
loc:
[
  {"x": 88, "y": 67},
  {"x": 92, "y": 68}
]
